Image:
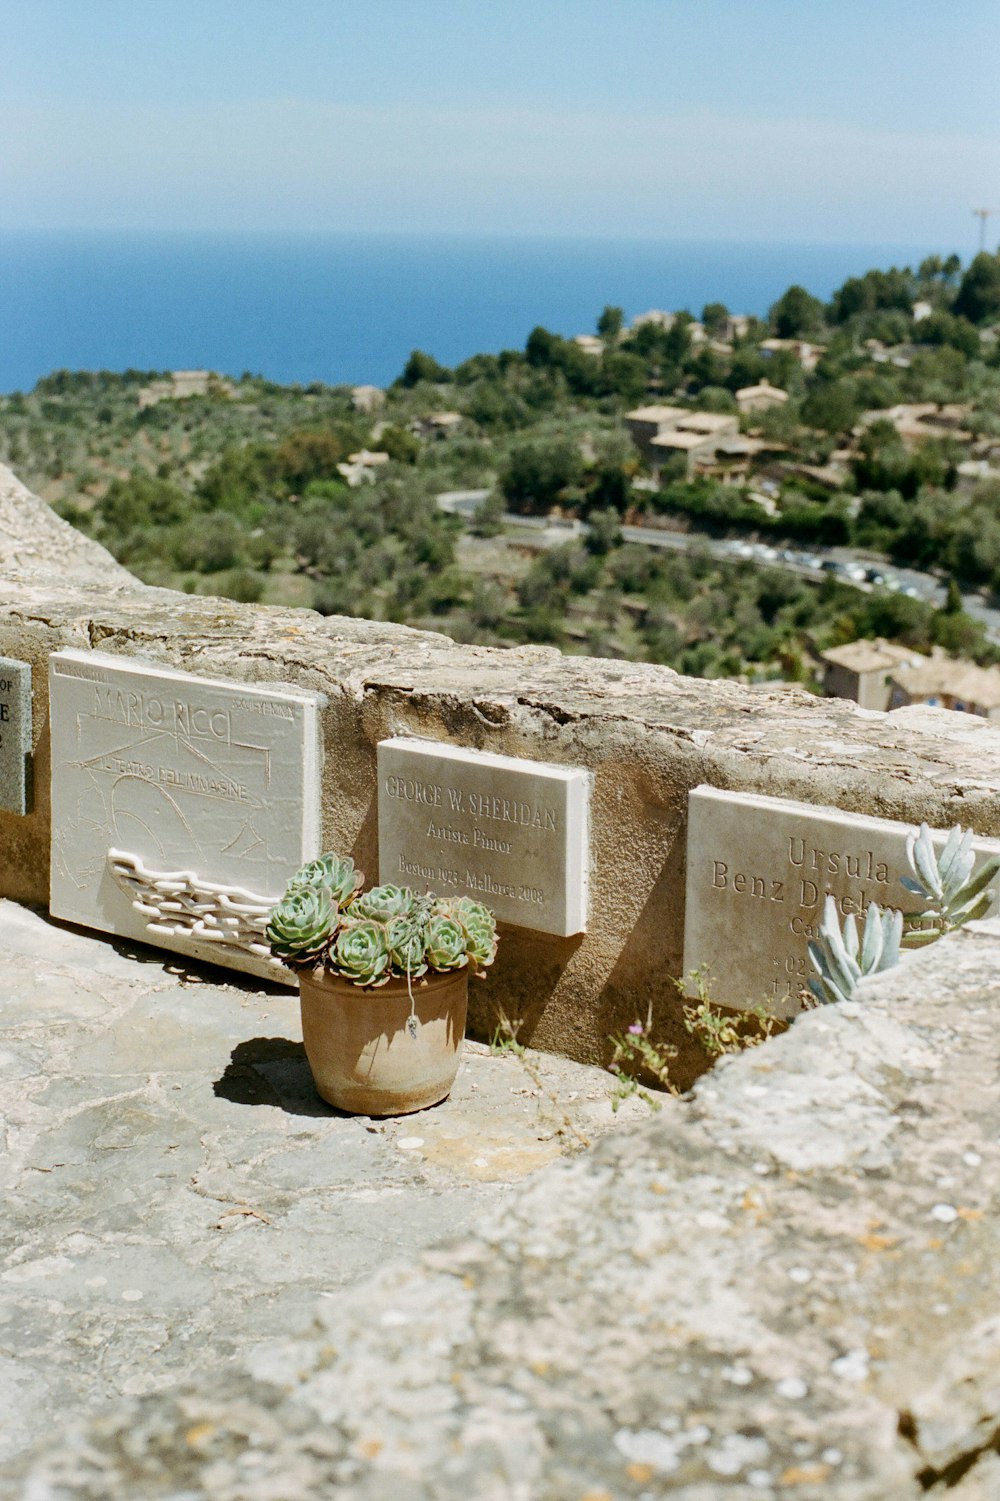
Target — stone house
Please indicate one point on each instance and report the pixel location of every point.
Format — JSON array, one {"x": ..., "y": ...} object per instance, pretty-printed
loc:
[
  {"x": 180, "y": 384},
  {"x": 659, "y": 432},
  {"x": 437, "y": 424},
  {"x": 947, "y": 682},
  {"x": 916, "y": 421},
  {"x": 760, "y": 398},
  {"x": 807, "y": 353},
  {"x": 863, "y": 671},
  {"x": 367, "y": 399},
  {"x": 646, "y": 423}
]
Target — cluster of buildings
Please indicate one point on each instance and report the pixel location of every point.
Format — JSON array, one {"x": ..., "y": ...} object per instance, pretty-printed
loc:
[
  {"x": 883, "y": 675},
  {"x": 710, "y": 442},
  {"x": 180, "y": 384}
]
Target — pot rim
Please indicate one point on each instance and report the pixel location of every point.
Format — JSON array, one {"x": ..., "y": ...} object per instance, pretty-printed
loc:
[{"x": 395, "y": 985}]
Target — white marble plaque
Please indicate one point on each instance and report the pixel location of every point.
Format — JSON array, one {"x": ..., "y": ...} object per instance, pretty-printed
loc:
[
  {"x": 512, "y": 833},
  {"x": 15, "y": 734},
  {"x": 758, "y": 873},
  {"x": 180, "y": 804}
]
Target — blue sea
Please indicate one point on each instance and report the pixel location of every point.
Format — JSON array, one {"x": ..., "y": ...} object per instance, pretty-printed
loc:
[{"x": 349, "y": 308}]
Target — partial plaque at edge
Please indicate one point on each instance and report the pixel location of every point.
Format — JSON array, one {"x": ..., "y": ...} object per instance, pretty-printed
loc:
[
  {"x": 511, "y": 833},
  {"x": 15, "y": 735}
]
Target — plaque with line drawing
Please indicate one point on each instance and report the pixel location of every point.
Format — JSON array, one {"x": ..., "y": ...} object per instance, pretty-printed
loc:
[{"x": 180, "y": 804}]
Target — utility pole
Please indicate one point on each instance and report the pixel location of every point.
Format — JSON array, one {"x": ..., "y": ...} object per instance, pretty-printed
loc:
[{"x": 982, "y": 214}]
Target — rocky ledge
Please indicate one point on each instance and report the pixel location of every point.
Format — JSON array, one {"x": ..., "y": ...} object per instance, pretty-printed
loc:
[{"x": 785, "y": 1285}]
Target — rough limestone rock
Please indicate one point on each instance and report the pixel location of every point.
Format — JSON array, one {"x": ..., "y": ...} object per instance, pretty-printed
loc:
[
  {"x": 176, "y": 1192},
  {"x": 787, "y": 1286},
  {"x": 34, "y": 540}
]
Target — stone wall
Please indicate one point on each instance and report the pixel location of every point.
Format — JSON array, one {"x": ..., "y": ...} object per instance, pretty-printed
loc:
[{"x": 647, "y": 734}]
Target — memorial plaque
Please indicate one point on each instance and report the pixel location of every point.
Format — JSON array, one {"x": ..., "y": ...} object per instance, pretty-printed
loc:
[
  {"x": 512, "y": 833},
  {"x": 180, "y": 804},
  {"x": 15, "y": 734},
  {"x": 758, "y": 873}
]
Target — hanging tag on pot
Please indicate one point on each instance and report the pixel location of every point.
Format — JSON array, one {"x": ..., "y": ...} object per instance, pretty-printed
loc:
[{"x": 412, "y": 1025}]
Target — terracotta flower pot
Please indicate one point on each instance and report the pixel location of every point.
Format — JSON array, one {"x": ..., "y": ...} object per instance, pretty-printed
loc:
[{"x": 364, "y": 1053}]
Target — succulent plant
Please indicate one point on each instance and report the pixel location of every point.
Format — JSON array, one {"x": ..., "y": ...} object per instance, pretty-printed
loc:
[
  {"x": 300, "y": 927},
  {"x": 336, "y": 872},
  {"x": 382, "y": 903},
  {"x": 841, "y": 959},
  {"x": 371, "y": 937},
  {"x": 407, "y": 946},
  {"x": 446, "y": 943},
  {"x": 361, "y": 953},
  {"x": 952, "y": 895},
  {"x": 479, "y": 926}
]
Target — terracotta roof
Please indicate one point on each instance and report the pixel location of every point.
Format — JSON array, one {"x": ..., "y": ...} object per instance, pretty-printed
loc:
[
  {"x": 763, "y": 389},
  {"x": 871, "y": 656},
  {"x": 709, "y": 422},
  {"x": 656, "y": 414},
  {"x": 942, "y": 676},
  {"x": 681, "y": 440}
]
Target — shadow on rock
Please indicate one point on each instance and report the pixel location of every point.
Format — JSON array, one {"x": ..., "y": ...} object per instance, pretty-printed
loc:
[{"x": 271, "y": 1071}]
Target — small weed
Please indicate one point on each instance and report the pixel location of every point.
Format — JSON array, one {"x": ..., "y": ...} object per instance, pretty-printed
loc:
[
  {"x": 717, "y": 1031},
  {"x": 504, "y": 1044}
]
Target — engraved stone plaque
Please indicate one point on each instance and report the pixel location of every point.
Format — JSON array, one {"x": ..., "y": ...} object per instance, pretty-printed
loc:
[
  {"x": 180, "y": 804},
  {"x": 15, "y": 734},
  {"x": 758, "y": 873},
  {"x": 511, "y": 833}
]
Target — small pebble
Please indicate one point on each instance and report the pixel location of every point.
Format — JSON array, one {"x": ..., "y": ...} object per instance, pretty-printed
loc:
[
  {"x": 831, "y": 1456},
  {"x": 410, "y": 1143},
  {"x": 851, "y": 1367},
  {"x": 792, "y": 1387},
  {"x": 800, "y": 1274},
  {"x": 132, "y": 1295},
  {"x": 946, "y": 1213},
  {"x": 971, "y": 1159}
]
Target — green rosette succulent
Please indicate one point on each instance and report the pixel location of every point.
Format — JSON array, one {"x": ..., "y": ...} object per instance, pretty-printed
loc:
[
  {"x": 361, "y": 953},
  {"x": 300, "y": 927},
  {"x": 480, "y": 929},
  {"x": 336, "y": 872},
  {"x": 383, "y": 903},
  {"x": 446, "y": 945},
  {"x": 407, "y": 945}
]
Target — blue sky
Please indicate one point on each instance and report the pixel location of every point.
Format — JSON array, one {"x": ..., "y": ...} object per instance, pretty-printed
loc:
[{"x": 830, "y": 120}]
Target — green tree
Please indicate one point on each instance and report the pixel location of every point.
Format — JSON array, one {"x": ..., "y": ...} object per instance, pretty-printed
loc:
[
  {"x": 979, "y": 292},
  {"x": 537, "y": 474},
  {"x": 610, "y": 323},
  {"x": 605, "y": 532},
  {"x": 423, "y": 367},
  {"x": 714, "y": 316},
  {"x": 399, "y": 444},
  {"x": 797, "y": 314},
  {"x": 488, "y": 518}
]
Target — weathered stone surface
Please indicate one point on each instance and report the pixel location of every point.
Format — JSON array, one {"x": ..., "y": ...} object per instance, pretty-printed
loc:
[
  {"x": 786, "y": 1286},
  {"x": 175, "y": 1192},
  {"x": 33, "y": 539}
]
